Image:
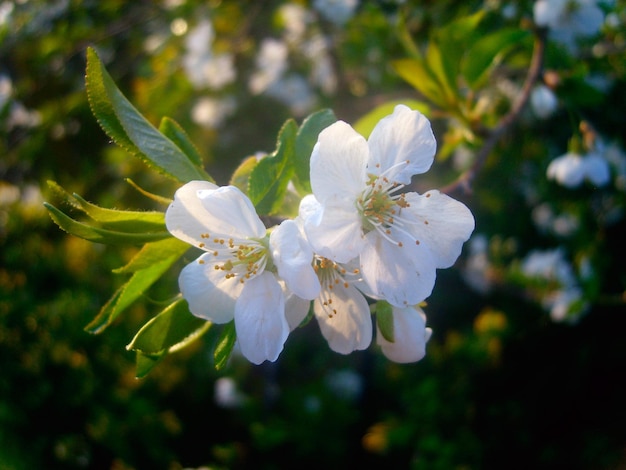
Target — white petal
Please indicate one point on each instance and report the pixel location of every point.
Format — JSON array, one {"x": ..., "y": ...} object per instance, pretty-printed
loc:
[
  {"x": 185, "y": 217},
  {"x": 296, "y": 309},
  {"x": 350, "y": 328},
  {"x": 402, "y": 136},
  {"x": 410, "y": 336},
  {"x": 207, "y": 292},
  {"x": 442, "y": 224},
  {"x": 309, "y": 207},
  {"x": 260, "y": 321},
  {"x": 335, "y": 232},
  {"x": 338, "y": 163},
  {"x": 293, "y": 258},
  {"x": 230, "y": 213},
  {"x": 400, "y": 275}
]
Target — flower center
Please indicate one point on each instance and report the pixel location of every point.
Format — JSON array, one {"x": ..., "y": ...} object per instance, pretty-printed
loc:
[
  {"x": 381, "y": 209},
  {"x": 238, "y": 259},
  {"x": 332, "y": 277}
]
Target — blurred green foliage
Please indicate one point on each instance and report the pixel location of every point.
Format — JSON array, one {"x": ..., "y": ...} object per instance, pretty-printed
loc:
[{"x": 502, "y": 386}]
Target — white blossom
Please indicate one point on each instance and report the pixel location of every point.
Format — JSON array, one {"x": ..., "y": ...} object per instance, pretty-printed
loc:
[
  {"x": 543, "y": 101},
  {"x": 569, "y": 20},
  {"x": 237, "y": 277},
  {"x": 205, "y": 69},
  {"x": 271, "y": 63},
  {"x": 210, "y": 112},
  {"x": 571, "y": 169},
  {"x": 558, "y": 289},
  {"x": 400, "y": 239}
]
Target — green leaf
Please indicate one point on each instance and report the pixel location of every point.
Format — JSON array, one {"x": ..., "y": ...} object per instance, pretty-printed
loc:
[
  {"x": 487, "y": 52},
  {"x": 154, "y": 252},
  {"x": 305, "y": 141},
  {"x": 130, "y": 130},
  {"x": 444, "y": 70},
  {"x": 271, "y": 175},
  {"x": 225, "y": 344},
  {"x": 365, "y": 124},
  {"x": 173, "y": 131},
  {"x": 455, "y": 37},
  {"x": 146, "y": 362},
  {"x": 384, "y": 320},
  {"x": 416, "y": 74},
  {"x": 171, "y": 330},
  {"x": 134, "y": 288},
  {"x": 100, "y": 235},
  {"x": 241, "y": 176},
  {"x": 133, "y": 221}
]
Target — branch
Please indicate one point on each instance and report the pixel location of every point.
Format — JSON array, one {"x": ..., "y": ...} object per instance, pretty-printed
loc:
[{"x": 464, "y": 181}]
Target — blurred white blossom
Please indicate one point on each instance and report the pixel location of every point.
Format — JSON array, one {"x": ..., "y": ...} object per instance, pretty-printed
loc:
[
  {"x": 227, "y": 394},
  {"x": 205, "y": 69},
  {"x": 545, "y": 219},
  {"x": 571, "y": 169},
  {"x": 295, "y": 19},
  {"x": 336, "y": 11},
  {"x": 569, "y": 20},
  {"x": 345, "y": 383},
  {"x": 477, "y": 267},
  {"x": 543, "y": 101},
  {"x": 210, "y": 112},
  {"x": 271, "y": 63},
  {"x": 557, "y": 286},
  {"x": 294, "y": 92}
]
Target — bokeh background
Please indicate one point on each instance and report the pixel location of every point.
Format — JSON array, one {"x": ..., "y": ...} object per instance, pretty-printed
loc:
[{"x": 503, "y": 384}]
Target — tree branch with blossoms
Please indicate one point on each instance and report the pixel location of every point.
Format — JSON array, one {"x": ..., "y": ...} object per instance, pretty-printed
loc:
[{"x": 326, "y": 226}]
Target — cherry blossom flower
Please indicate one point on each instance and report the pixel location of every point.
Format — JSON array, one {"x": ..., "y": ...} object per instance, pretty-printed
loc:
[
  {"x": 400, "y": 239},
  {"x": 571, "y": 169},
  {"x": 238, "y": 275},
  {"x": 341, "y": 309},
  {"x": 410, "y": 336},
  {"x": 569, "y": 19}
]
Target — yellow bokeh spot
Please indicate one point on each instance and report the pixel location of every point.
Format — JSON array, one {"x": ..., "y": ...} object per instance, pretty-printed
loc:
[
  {"x": 490, "y": 321},
  {"x": 375, "y": 440}
]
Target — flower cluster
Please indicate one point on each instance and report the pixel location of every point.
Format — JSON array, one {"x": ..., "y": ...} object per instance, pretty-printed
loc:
[{"x": 358, "y": 236}]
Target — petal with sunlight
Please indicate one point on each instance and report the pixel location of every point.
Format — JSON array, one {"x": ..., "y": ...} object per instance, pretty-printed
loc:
[
  {"x": 185, "y": 218},
  {"x": 410, "y": 336},
  {"x": 260, "y": 322},
  {"x": 209, "y": 296},
  {"x": 346, "y": 324},
  {"x": 441, "y": 223},
  {"x": 335, "y": 232},
  {"x": 293, "y": 258},
  {"x": 403, "y": 136},
  {"x": 401, "y": 275},
  {"x": 338, "y": 163},
  {"x": 230, "y": 213}
]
